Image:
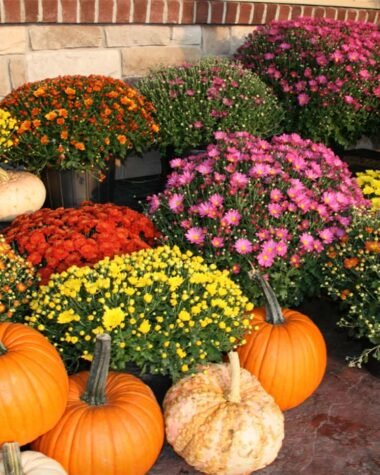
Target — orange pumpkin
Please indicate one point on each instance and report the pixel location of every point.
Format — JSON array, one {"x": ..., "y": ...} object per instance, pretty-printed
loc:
[
  {"x": 285, "y": 351},
  {"x": 112, "y": 425},
  {"x": 33, "y": 384}
]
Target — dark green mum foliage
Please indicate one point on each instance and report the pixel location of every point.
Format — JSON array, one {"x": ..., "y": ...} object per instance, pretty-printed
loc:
[{"x": 194, "y": 101}]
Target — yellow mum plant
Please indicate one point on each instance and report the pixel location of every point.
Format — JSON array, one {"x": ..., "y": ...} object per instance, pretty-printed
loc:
[
  {"x": 369, "y": 182},
  {"x": 8, "y": 125},
  {"x": 166, "y": 311}
]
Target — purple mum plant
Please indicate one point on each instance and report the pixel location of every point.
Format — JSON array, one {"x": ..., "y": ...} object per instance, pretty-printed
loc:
[
  {"x": 325, "y": 72},
  {"x": 276, "y": 205}
]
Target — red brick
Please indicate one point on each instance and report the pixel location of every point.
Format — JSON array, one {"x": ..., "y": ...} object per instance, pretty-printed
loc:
[
  {"x": 330, "y": 13},
  {"x": 271, "y": 12},
  {"x": 352, "y": 14},
  {"x": 296, "y": 12},
  {"x": 245, "y": 14},
  {"x": 173, "y": 11},
  {"x": 342, "y": 13},
  {"x": 308, "y": 11},
  {"x": 363, "y": 14},
  {"x": 50, "y": 9},
  {"x": 11, "y": 11},
  {"x": 139, "y": 15},
  {"x": 31, "y": 11},
  {"x": 284, "y": 12},
  {"x": 123, "y": 10},
  {"x": 217, "y": 9},
  {"x": 156, "y": 11},
  {"x": 187, "y": 12},
  {"x": 87, "y": 11},
  {"x": 231, "y": 13},
  {"x": 105, "y": 11},
  {"x": 69, "y": 11},
  {"x": 202, "y": 12},
  {"x": 319, "y": 13},
  {"x": 371, "y": 16},
  {"x": 258, "y": 13}
]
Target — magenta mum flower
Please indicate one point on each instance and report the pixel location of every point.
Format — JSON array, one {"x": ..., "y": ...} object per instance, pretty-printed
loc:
[
  {"x": 243, "y": 246},
  {"x": 176, "y": 203},
  {"x": 195, "y": 235},
  {"x": 231, "y": 218},
  {"x": 217, "y": 242},
  {"x": 303, "y": 99}
]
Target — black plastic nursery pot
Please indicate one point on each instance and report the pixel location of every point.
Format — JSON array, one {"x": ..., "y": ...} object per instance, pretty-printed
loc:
[
  {"x": 69, "y": 188},
  {"x": 158, "y": 383}
]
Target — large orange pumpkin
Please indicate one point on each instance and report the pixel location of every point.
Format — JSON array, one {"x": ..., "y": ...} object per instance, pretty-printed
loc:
[
  {"x": 285, "y": 351},
  {"x": 33, "y": 384},
  {"x": 112, "y": 425}
]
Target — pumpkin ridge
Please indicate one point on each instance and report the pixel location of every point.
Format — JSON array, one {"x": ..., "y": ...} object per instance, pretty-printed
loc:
[
  {"x": 47, "y": 378},
  {"x": 194, "y": 426},
  {"x": 292, "y": 358},
  {"x": 72, "y": 461},
  {"x": 31, "y": 394},
  {"x": 265, "y": 352}
]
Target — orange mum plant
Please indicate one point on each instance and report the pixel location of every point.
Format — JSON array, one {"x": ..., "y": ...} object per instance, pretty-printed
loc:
[{"x": 77, "y": 122}]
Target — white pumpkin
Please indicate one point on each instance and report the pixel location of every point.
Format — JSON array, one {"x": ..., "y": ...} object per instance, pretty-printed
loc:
[
  {"x": 27, "y": 463},
  {"x": 20, "y": 192},
  {"x": 222, "y": 421}
]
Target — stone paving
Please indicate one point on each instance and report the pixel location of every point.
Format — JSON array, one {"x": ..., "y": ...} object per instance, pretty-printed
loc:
[{"x": 336, "y": 431}]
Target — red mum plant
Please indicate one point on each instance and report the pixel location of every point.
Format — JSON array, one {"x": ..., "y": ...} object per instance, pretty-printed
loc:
[{"x": 54, "y": 240}]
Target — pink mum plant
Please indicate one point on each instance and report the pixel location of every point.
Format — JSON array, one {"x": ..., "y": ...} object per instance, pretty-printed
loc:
[
  {"x": 277, "y": 205},
  {"x": 325, "y": 72}
]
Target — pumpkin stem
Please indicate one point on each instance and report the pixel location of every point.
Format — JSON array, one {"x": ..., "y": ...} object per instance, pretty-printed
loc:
[
  {"x": 234, "y": 394},
  {"x": 272, "y": 307},
  {"x": 12, "y": 459},
  {"x": 95, "y": 393},
  {"x": 3, "y": 175},
  {"x": 3, "y": 349}
]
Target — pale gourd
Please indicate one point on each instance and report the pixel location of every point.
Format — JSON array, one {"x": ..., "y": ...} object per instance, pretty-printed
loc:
[
  {"x": 222, "y": 422},
  {"x": 14, "y": 462},
  {"x": 20, "y": 192}
]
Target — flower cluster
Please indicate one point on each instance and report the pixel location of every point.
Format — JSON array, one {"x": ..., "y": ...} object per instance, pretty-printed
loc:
[
  {"x": 54, "y": 240},
  {"x": 8, "y": 125},
  {"x": 325, "y": 72},
  {"x": 77, "y": 122},
  {"x": 352, "y": 275},
  {"x": 166, "y": 311},
  {"x": 18, "y": 280},
  {"x": 194, "y": 101},
  {"x": 369, "y": 183},
  {"x": 274, "y": 204}
]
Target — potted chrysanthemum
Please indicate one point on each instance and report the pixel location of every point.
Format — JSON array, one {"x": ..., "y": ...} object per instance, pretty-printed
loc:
[
  {"x": 166, "y": 310},
  {"x": 192, "y": 101},
  {"x": 71, "y": 128},
  {"x": 325, "y": 73},
  {"x": 276, "y": 205}
]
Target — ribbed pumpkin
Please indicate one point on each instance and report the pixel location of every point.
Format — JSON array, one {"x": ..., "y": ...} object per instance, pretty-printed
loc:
[
  {"x": 20, "y": 192},
  {"x": 113, "y": 424},
  {"x": 285, "y": 351},
  {"x": 33, "y": 384},
  {"x": 14, "y": 462},
  {"x": 222, "y": 422}
]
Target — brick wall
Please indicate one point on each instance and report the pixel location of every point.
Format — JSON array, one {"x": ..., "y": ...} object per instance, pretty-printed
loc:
[{"x": 185, "y": 12}]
